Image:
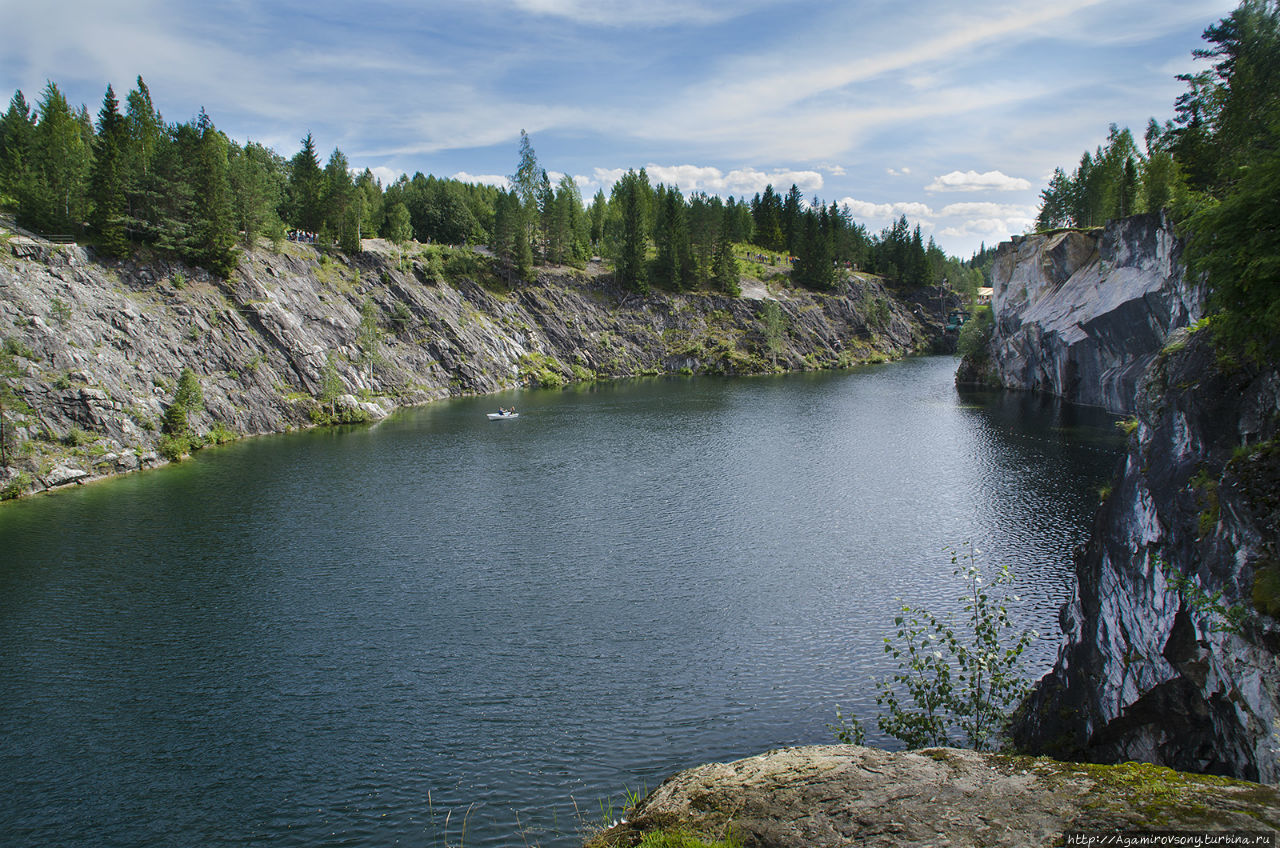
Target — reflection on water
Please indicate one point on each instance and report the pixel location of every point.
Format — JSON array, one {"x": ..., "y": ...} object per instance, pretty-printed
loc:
[{"x": 341, "y": 637}]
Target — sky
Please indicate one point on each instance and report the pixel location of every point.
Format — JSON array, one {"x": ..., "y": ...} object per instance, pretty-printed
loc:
[{"x": 952, "y": 112}]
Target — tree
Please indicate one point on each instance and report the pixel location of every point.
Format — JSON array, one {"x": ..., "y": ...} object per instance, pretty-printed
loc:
[
  {"x": 17, "y": 135},
  {"x": 341, "y": 214},
  {"x": 306, "y": 182},
  {"x": 256, "y": 177},
  {"x": 1236, "y": 244},
  {"x": 961, "y": 682},
  {"x": 368, "y": 335},
  {"x": 526, "y": 185},
  {"x": 399, "y": 227},
  {"x": 674, "y": 265},
  {"x": 107, "y": 178},
  {"x": 629, "y": 233},
  {"x": 724, "y": 263},
  {"x": 766, "y": 213},
  {"x": 212, "y": 241},
  {"x": 793, "y": 209},
  {"x": 774, "y": 323},
  {"x": 175, "y": 426},
  {"x": 53, "y": 200}
]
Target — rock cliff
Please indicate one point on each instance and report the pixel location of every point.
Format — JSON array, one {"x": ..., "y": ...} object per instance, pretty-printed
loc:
[
  {"x": 1081, "y": 314},
  {"x": 1171, "y": 653},
  {"x": 828, "y": 796},
  {"x": 92, "y": 350}
]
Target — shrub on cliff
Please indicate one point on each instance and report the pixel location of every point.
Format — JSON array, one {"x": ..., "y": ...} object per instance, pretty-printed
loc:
[
  {"x": 187, "y": 398},
  {"x": 975, "y": 336}
]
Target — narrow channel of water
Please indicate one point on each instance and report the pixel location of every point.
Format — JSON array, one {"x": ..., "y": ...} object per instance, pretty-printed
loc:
[{"x": 369, "y": 636}]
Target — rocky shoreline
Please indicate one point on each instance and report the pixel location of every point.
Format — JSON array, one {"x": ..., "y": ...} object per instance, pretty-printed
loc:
[{"x": 298, "y": 336}]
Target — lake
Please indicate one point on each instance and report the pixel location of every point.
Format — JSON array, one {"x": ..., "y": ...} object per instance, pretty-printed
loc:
[{"x": 443, "y": 629}]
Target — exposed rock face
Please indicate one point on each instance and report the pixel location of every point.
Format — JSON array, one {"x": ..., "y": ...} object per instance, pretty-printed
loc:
[
  {"x": 1156, "y": 671},
  {"x": 99, "y": 346},
  {"x": 1081, "y": 314},
  {"x": 828, "y": 796}
]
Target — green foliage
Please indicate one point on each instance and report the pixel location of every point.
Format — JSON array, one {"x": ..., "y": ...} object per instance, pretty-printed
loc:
[
  {"x": 1236, "y": 244},
  {"x": 541, "y": 370},
  {"x": 1217, "y": 166},
  {"x": 627, "y": 230},
  {"x": 1265, "y": 592},
  {"x": 399, "y": 225},
  {"x": 187, "y": 399},
  {"x": 76, "y": 437},
  {"x": 1216, "y": 616},
  {"x": 220, "y": 434},
  {"x": 959, "y": 685},
  {"x": 774, "y": 325},
  {"x": 974, "y": 341},
  {"x": 60, "y": 310},
  {"x": 681, "y": 839},
  {"x": 16, "y": 487},
  {"x": 368, "y": 335},
  {"x": 107, "y": 178}
]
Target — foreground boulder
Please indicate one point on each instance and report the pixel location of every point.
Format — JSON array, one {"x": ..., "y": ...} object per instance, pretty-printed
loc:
[{"x": 836, "y": 795}]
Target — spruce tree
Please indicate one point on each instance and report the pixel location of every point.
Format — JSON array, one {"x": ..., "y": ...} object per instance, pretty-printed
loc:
[
  {"x": 107, "y": 178},
  {"x": 53, "y": 200},
  {"x": 306, "y": 182},
  {"x": 17, "y": 134},
  {"x": 630, "y": 235},
  {"x": 724, "y": 263},
  {"x": 212, "y": 236}
]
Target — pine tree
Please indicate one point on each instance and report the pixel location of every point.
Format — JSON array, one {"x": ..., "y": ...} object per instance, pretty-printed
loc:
[{"x": 107, "y": 178}]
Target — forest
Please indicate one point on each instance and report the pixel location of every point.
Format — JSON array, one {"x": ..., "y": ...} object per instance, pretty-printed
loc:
[
  {"x": 1215, "y": 167},
  {"x": 129, "y": 180}
]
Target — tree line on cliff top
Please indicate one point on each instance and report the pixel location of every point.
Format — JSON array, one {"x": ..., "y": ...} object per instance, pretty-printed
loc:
[
  {"x": 1215, "y": 166},
  {"x": 131, "y": 179}
]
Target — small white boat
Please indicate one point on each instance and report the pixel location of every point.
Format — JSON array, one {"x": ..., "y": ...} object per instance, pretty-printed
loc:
[{"x": 493, "y": 416}]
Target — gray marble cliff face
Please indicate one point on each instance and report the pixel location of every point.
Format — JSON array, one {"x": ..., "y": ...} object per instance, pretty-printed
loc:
[
  {"x": 1154, "y": 666},
  {"x": 1082, "y": 314}
]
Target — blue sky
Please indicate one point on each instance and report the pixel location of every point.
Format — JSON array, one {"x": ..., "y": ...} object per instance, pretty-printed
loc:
[{"x": 954, "y": 113}]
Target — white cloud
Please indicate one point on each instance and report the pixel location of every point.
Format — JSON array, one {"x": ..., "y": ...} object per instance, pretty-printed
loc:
[
  {"x": 483, "y": 179},
  {"x": 864, "y": 210},
  {"x": 617, "y": 13},
  {"x": 742, "y": 182},
  {"x": 990, "y": 210},
  {"x": 895, "y": 172},
  {"x": 386, "y": 175},
  {"x": 973, "y": 181}
]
